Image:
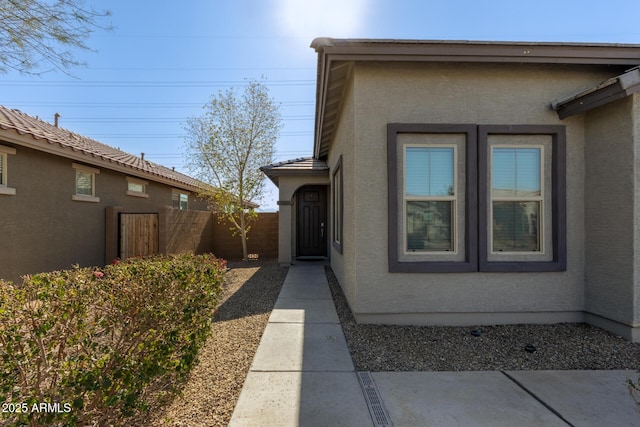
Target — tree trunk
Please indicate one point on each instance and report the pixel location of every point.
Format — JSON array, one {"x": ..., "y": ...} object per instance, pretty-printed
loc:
[{"x": 243, "y": 236}]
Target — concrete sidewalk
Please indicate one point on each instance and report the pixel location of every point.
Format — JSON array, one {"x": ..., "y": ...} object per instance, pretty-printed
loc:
[{"x": 303, "y": 375}]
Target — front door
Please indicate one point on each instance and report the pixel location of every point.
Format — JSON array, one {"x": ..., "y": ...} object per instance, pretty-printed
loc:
[{"x": 312, "y": 221}]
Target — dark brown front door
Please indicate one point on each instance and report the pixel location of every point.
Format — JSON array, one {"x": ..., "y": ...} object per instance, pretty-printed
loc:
[{"x": 312, "y": 221}]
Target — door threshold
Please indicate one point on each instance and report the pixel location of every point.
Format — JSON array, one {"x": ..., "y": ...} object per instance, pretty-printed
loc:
[{"x": 311, "y": 258}]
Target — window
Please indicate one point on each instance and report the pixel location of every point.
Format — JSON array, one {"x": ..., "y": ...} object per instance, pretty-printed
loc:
[
  {"x": 468, "y": 198},
  {"x": 516, "y": 199},
  {"x": 431, "y": 193},
  {"x": 429, "y": 198},
  {"x": 180, "y": 200},
  {"x": 85, "y": 183},
  {"x": 522, "y": 198},
  {"x": 136, "y": 187},
  {"x": 337, "y": 205},
  {"x": 4, "y": 187}
]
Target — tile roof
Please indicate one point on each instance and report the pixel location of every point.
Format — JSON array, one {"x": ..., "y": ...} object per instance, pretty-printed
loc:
[
  {"x": 45, "y": 134},
  {"x": 301, "y": 165}
]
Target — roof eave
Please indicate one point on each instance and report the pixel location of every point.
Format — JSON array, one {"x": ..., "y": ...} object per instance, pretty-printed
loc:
[
  {"x": 351, "y": 50},
  {"x": 609, "y": 91},
  {"x": 275, "y": 174},
  {"x": 29, "y": 141}
]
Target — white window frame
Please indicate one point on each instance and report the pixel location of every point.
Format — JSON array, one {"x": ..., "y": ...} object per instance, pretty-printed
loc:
[
  {"x": 137, "y": 181},
  {"x": 180, "y": 193},
  {"x": 540, "y": 199},
  {"x": 4, "y": 187},
  {"x": 85, "y": 197},
  {"x": 453, "y": 199}
]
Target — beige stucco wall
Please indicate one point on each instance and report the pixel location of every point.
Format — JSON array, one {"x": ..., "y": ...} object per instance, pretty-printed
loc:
[
  {"x": 44, "y": 229},
  {"x": 341, "y": 263},
  {"x": 612, "y": 201},
  {"x": 457, "y": 93},
  {"x": 635, "y": 117}
]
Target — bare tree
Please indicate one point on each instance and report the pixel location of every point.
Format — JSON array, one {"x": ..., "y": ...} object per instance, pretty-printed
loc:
[
  {"x": 37, "y": 36},
  {"x": 227, "y": 145}
]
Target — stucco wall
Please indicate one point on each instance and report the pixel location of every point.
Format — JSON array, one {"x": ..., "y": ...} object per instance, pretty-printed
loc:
[
  {"x": 262, "y": 238},
  {"x": 635, "y": 117},
  {"x": 459, "y": 93},
  {"x": 43, "y": 229},
  {"x": 611, "y": 177},
  {"x": 342, "y": 263}
]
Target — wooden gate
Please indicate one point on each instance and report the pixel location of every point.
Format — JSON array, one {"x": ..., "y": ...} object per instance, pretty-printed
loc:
[{"x": 138, "y": 235}]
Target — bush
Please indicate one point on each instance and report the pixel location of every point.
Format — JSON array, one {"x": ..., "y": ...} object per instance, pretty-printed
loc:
[{"x": 83, "y": 346}]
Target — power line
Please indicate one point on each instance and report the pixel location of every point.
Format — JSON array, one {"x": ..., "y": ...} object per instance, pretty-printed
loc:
[
  {"x": 131, "y": 104},
  {"x": 153, "y": 119},
  {"x": 196, "y": 69},
  {"x": 174, "y": 136},
  {"x": 147, "y": 84}
]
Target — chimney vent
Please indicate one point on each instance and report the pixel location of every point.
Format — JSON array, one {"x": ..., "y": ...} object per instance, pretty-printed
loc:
[
  {"x": 142, "y": 156},
  {"x": 173, "y": 168},
  {"x": 56, "y": 116}
]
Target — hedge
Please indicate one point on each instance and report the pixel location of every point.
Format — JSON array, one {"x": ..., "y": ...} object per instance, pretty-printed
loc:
[{"x": 85, "y": 346}]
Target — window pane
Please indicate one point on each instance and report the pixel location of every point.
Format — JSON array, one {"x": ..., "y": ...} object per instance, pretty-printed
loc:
[
  {"x": 516, "y": 226},
  {"x": 516, "y": 172},
  {"x": 429, "y": 226},
  {"x": 134, "y": 186},
  {"x": 84, "y": 183},
  {"x": 429, "y": 171},
  {"x": 184, "y": 201}
]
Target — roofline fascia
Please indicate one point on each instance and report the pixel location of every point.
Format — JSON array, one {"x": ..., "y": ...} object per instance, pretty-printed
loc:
[
  {"x": 611, "y": 90},
  {"x": 320, "y": 95},
  {"x": 274, "y": 175},
  {"x": 330, "y": 50},
  {"x": 479, "y": 51},
  {"x": 29, "y": 141}
]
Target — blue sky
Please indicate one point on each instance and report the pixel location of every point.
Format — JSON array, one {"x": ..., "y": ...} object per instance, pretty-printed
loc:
[{"x": 163, "y": 60}]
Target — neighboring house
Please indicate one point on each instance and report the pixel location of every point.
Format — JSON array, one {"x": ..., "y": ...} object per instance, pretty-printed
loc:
[
  {"x": 66, "y": 199},
  {"x": 473, "y": 183}
]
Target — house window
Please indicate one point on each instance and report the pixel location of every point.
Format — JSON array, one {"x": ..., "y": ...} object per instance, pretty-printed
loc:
[
  {"x": 4, "y": 187},
  {"x": 337, "y": 205},
  {"x": 137, "y": 187},
  {"x": 431, "y": 192},
  {"x": 522, "y": 198},
  {"x": 429, "y": 198},
  {"x": 468, "y": 198},
  {"x": 85, "y": 183},
  {"x": 180, "y": 200},
  {"x": 517, "y": 199}
]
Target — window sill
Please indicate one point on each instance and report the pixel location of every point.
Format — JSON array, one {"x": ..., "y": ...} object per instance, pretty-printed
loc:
[
  {"x": 6, "y": 191},
  {"x": 137, "y": 194},
  {"x": 337, "y": 246},
  {"x": 83, "y": 198},
  {"x": 523, "y": 266}
]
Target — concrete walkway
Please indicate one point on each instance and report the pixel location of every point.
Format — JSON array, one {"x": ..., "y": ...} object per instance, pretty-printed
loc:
[{"x": 303, "y": 375}]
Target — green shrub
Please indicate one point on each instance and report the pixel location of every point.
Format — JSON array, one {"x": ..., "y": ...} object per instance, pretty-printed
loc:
[{"x": 84, "y": 345}]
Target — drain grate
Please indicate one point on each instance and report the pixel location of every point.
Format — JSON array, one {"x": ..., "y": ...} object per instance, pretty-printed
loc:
[{"x": 377, "y": 410}]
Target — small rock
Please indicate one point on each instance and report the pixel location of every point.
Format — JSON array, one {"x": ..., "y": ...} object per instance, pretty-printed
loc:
[
  {"x": 476, "y": 332},
  {"x": 530, "y": 348}
]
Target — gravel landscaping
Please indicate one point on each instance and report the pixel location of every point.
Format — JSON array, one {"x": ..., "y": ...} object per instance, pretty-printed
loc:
[
  {"x": 251, "y": 290},
  {"x": 208, "y": 398},
  {"x": 485, "y": 348}
]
